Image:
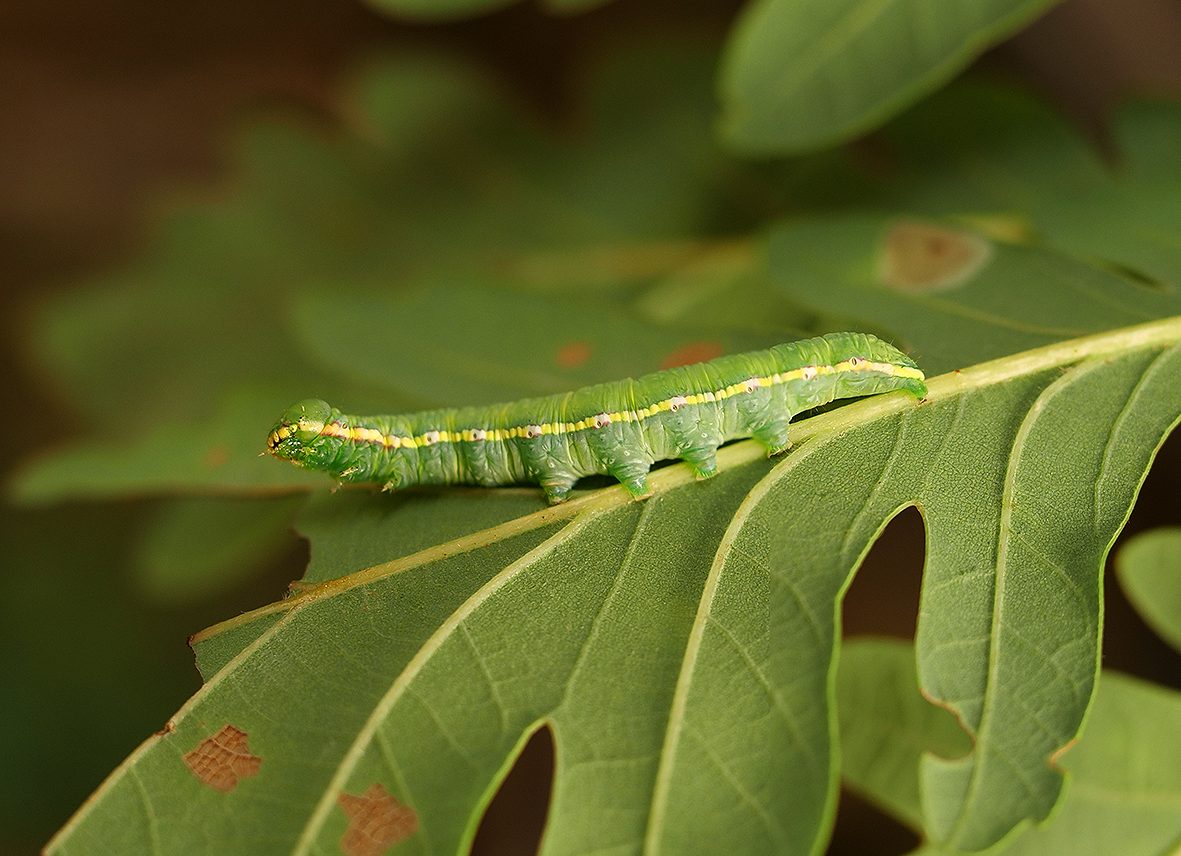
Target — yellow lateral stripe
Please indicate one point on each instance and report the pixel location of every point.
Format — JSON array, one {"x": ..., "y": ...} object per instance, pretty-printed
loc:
[
  {"x": 393, "y": 441},
  {"x": 907, "y": 371}
]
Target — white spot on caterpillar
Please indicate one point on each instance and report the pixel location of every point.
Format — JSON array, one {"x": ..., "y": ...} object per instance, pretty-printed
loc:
[
  {"x": 677, "y": 402},
  {"x": 477, "y": 434},
  {"x": 532, "y": 432},
  {"x": 808, "y": 372},
  {"x": 751, "y": 385},
  {"x": 430, "y": 438},
  {"x": 602, "y": 420}
]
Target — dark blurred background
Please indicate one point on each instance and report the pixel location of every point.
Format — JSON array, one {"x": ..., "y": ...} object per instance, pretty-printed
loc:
[{"x": 108, "y": 109}]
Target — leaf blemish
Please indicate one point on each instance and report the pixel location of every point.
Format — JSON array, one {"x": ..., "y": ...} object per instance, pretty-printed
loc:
[
  {"x": 573, "y": 355},
  {"x": 377, "y": 821},
  {"x": 694, "y": 352},
  {"x": 224, "y": 759},
  {"x": 1056, "y": 757},
  {"x": 923, "y": 257},
  {"x": 217, "y": 457}
]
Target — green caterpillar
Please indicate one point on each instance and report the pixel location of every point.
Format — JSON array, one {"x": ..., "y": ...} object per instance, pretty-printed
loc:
[{"x": 619, "y": 428}]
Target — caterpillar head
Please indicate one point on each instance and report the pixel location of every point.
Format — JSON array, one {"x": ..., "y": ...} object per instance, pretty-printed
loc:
[
  {"x": 879, "y": 367},
  {"x": 297, "y": 429}
]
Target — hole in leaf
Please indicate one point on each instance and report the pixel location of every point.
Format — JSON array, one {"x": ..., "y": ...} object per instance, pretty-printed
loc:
[
  {"x": 883, "y": 599},
  {"x": 862, "y": 828},
  {"x": 1129, "y": 644},
  {"x": 514, "y": 820}
]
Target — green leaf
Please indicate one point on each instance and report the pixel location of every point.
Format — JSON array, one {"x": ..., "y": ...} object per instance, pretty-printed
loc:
[
  {"x": 801, "y": 74},
  {"x": 1022, "y": 683},
  {"x": 1119, "y": 796},
  {"x": 557, "y": 344},
  {"x": 1149, "y": 570},
  {"x": 352, "y": 532},
  {"x": 980, "y": 188},
  {"x": 681, "y": 649},
  {"x": 722, "y": 285},
  {"x": 220, "y": 454},
  {"x": 1007, "y": 161},
  {"x": 947, "y": 291}
]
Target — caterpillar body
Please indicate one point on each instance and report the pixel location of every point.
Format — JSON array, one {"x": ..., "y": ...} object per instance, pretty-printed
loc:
[{"x": 619, "y": 428}]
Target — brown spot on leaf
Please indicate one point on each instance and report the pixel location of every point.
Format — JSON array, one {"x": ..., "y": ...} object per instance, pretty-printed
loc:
[
  {"x": 694, "y": 352},
  {"x": 216, "y": 457},
  {"x": 573, "y": 355},
  {"x": 377, "y": 822},
  {"x": 923, "y": 257},
  {"x": 222, "y": 760}
]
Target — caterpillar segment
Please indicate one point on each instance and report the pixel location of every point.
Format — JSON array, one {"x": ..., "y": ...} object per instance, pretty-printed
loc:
[{"x": 619, "y": 428}]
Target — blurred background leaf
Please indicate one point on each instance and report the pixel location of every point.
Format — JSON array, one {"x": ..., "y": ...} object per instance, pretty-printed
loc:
[
  {"x": 197, "y": 546},
  {"x": 1149, "y": 569},
  {"x": 1007, "y": 161},
  {"x": 447, "y": 346},
  {"x": 800, "y": 74},
  {"x": 443, "y": 184},
  {"x": 886, "y": 725},
  {"x": 948, "y": 292}
]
